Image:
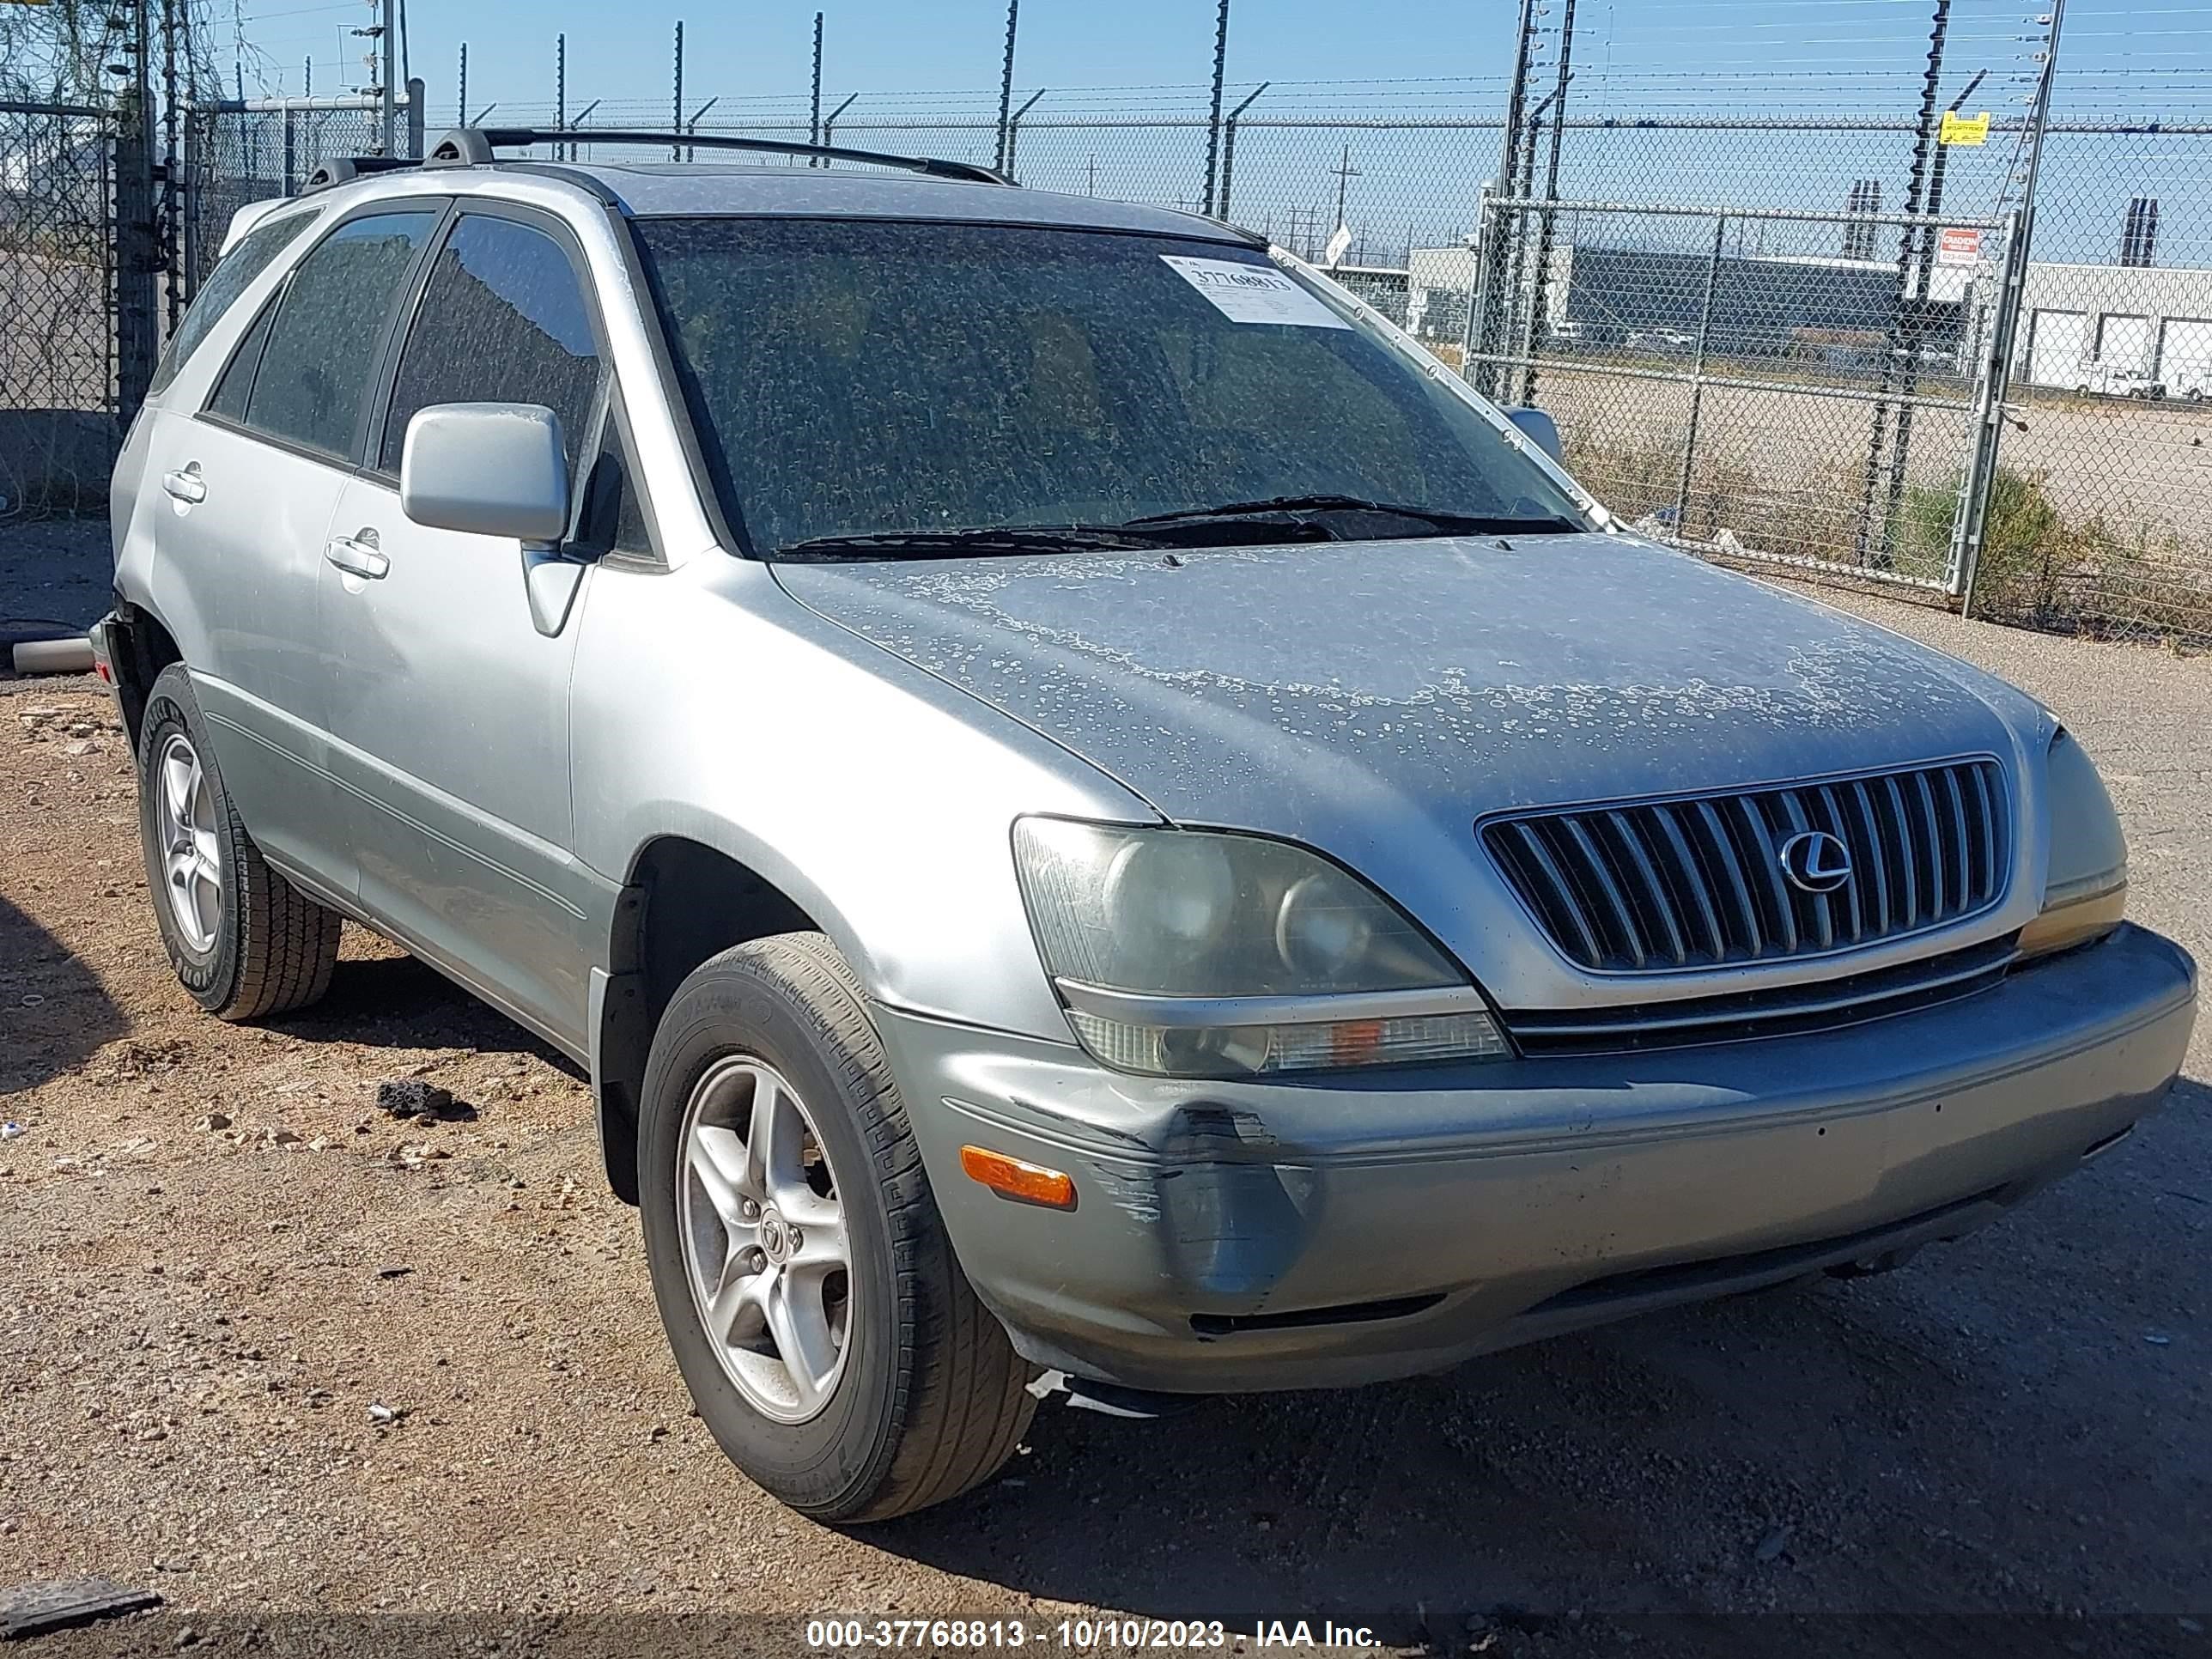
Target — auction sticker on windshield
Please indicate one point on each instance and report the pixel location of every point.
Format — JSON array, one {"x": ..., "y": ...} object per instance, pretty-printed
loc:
[{"x": 1254, "y": 293}]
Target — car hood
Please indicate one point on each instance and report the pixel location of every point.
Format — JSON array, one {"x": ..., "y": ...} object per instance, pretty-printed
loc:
[{"x": 1327, "y": 691}]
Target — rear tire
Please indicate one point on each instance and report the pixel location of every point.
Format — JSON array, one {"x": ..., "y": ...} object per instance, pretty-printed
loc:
[
  {"x": 243, "y": 940},
  {"x": 913, "y": 1393}
]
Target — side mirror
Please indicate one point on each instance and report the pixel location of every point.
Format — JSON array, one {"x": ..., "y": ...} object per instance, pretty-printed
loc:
[
  {"x": 1539, "y": 428},
  {"x": 487, "y": 470}
]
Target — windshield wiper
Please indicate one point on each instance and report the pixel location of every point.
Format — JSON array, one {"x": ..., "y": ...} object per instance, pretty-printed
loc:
[
  {"x": 981, "y": 538},
  {"x": 1451, "y": 524}
]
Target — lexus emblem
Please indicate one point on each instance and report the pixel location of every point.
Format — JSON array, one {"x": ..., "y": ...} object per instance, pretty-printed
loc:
[{"x": 1816, "y": 861}]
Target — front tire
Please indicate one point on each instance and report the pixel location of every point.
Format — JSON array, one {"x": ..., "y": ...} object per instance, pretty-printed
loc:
[
  {"x": 243, "y": 940},
  {"x": 831, "y": 1343}
]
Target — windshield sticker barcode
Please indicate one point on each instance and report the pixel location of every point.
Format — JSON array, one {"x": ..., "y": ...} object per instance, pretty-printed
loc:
[{"x": 1254, "y": 293}]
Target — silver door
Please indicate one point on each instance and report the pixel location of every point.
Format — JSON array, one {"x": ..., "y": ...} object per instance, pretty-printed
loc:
[
  {"x": 450, "y": 713},
  {"x": 237, "y": 550},
  {"x": 250, "y": 481}
]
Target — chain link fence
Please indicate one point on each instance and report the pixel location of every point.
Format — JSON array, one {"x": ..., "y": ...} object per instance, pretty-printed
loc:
[
  {"x": 57, "y": 267},
  {"x": 2102, "y": 514},
  {"x": 1776, "y": 320},
  {"x": 1729, "y": 377},
  {"x": 1878, "y": 388},
  {"x": 239, "y": 152}
]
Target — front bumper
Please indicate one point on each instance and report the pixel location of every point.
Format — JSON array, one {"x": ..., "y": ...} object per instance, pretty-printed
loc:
[{"x": 1298, "y": 1234}]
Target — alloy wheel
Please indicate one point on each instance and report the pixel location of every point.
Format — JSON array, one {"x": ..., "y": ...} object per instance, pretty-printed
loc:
[
  {"x": 766, "y": 1252},
  {"x": 185, "y": 811}
]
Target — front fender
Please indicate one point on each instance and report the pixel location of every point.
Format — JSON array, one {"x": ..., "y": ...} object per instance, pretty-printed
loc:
[{"x": 708, "y": 704}]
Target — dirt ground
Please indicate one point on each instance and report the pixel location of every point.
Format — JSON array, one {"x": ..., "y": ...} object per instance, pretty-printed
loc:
[{"x": 218, "y": 1260}]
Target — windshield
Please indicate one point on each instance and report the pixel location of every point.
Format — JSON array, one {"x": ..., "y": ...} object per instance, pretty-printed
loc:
[{"x": 860, "y": 379}]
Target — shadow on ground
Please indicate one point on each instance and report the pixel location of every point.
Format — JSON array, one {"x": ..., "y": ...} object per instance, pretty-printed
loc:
[
  {"x": 54, "y": 1013},
  {"x": 398, "y": 1002}
]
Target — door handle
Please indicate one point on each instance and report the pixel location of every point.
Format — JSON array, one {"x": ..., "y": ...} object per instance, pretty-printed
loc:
[
  {"x": 357, "y": 556},
  {"x": 186, "y": 484}
]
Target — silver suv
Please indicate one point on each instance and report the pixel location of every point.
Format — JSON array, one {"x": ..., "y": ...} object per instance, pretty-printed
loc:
[{"x": 1089, "y": 809}]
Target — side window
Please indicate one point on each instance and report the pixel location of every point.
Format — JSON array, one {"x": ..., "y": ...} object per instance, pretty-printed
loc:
[
  {"x": 230, "y": 392},
  {"x": 229, "y": 279},
  {"x": 321, "y": 349},
  {"x": 503, "y": 320}
]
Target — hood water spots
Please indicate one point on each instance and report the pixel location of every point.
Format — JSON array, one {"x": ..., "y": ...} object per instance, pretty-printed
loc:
[{"x": 1251, "y": 684}]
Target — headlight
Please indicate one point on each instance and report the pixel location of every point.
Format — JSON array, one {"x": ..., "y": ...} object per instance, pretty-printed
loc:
[
  {"x": 2086, "y": 893},
  {"x": 1190, "y": 953}
]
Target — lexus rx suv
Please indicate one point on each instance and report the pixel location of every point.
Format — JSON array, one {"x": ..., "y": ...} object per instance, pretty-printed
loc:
[{"x": 1090, "y": 809}]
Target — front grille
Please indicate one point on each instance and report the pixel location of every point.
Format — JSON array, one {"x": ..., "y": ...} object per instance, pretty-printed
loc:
[
  {"x": 1662, "y": 886},
  {"x": 1780, "y": 1010}
]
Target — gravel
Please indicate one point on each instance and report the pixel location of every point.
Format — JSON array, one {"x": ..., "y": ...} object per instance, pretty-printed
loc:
[{"x": 2013, "y": 1431}]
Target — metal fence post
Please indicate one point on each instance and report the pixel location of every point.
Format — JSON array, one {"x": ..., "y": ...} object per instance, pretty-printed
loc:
[
  {"x": 1007, "y": 78},
  {"x": 172, "y": 284},
  {"x": 1229, "y": 151},
  {"x": 189, "y": 208},
  {"x": 1967, "y": 528},
  {"x": 1494, "y": 251},
  {"x": 291, "y": 156},
  {"x": 414, "y": 95},
  {"x": 1014, "y": 130},
  {"x": 1698, "y": 378},
  {"x": 1473, "y": 331},
  {"x": 1213, "y": 121},
  {"x": 138, "y": 259},
  {"x": 1547, "y": 222},
  {"x": 814, "y": 123},
  {"x": 387, "y": 77}
]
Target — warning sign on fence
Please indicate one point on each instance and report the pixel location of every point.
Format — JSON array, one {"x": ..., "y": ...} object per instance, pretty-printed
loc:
[
  {"x": 1958, "y": 247},
  {"x": 1964, "y": 129}
]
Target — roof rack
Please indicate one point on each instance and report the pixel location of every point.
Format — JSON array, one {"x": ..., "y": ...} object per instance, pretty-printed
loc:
[
  {"x": 341, "y": 169},
  {"x": 474, "y": 147}
]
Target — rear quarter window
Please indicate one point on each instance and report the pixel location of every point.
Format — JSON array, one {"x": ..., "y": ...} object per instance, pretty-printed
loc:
[{"x": 231, "y": 277}]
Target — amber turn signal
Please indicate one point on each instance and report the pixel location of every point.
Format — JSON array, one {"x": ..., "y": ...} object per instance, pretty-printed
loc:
[{"x": 1025, "y": 1183}]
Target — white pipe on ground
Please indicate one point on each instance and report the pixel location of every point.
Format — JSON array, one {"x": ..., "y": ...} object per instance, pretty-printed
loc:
[{"x": 69, "y": 656}]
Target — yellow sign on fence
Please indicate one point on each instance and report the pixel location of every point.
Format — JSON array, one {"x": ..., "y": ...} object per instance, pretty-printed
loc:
[{"x": 1964, "y": 129}]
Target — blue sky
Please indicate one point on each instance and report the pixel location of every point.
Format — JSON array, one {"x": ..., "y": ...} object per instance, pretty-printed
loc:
[
  {"x": 761, "y": 47},
  {"x": 1745, "y": 61}
]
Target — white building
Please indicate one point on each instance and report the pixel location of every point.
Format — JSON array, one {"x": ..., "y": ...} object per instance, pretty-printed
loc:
[{"x": 2102, "y": 326}]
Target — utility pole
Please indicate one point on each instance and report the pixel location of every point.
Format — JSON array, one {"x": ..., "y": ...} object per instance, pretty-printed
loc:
[
  {"x": 1213, "y": 122},
  {"x": 1346, "y": 172},
  {"x": 678, "y": 153},
  {"x": 560, "y": 94},
  {"x": 464, "y": 116},
  {"x": 1006, "y": 80}
]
